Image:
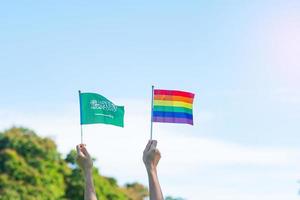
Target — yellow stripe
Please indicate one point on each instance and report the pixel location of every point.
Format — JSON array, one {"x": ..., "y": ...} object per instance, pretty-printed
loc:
[{"x": 173, "y": 103}]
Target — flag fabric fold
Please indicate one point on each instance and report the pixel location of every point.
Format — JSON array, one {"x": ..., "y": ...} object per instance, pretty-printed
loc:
[
  {"x": 172, "y": 106},
  {"x": 95, "y": 109}
]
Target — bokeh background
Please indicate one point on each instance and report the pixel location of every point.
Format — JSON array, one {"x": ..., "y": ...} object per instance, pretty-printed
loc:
[{"x": 240, "y": 58}]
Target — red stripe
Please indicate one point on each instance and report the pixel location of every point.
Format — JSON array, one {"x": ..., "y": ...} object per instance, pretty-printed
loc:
[
  {"x": 173, "y": 98},
  {"x": 174, "y": 93}
]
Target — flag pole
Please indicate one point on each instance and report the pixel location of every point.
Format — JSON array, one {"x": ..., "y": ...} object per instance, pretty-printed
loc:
[
  {"x": 151, "y": 127},
  {"x": 81, "y": 132}
]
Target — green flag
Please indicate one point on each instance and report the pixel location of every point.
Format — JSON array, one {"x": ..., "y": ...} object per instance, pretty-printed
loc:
[{"x": 95, "y": 109}]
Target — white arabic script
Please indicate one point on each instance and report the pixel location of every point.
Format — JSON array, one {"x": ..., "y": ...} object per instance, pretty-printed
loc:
[{"x": 103, "y": 105}]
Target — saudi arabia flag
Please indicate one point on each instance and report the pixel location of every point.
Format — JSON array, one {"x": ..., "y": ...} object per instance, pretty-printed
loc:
[{"x": 95, "y": 109}]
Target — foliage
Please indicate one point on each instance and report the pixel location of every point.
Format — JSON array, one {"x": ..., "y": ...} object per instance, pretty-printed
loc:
[
  {"x": 172, "y": 198},
  {"x": 136, "y": 191},
  {"x": 32, "y": 169},
  {"x": 105, "y": 187}
]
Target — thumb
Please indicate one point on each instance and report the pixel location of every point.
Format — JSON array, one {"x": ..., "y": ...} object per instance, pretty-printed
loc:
[{"x": 153, "y": 144}]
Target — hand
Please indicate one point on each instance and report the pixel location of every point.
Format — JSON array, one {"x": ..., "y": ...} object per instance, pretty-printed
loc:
[
  {"x": 84, "y": 159},
  {"x": 151, "y": 155}
]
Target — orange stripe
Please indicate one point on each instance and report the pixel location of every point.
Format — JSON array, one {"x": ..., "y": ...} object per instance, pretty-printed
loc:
[{"x": 173, "y": 98}]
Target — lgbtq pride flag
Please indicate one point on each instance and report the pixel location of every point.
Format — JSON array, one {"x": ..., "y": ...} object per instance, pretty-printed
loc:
[{"x": 172, "y": 106}]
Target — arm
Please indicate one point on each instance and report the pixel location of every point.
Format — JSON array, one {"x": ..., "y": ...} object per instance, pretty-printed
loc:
[
  {"x": 86, "y": 164},
  {"x": 151, "y": 157}
]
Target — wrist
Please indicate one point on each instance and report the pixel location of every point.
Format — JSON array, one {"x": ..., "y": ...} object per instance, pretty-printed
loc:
[
  {"x": 151, "y": 170},
  {"x": 87, "y": 171}
]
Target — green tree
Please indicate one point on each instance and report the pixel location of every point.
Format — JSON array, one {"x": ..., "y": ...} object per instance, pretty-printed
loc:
[
  {"x": 173, "y": 198},
  {"x": 105, "y": 187},
  {"x": 136, "y": 191},
  {"x": 32, "y": 169}
]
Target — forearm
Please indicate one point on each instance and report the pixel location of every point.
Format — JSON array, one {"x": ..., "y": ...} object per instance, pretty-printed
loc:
[
  {"x": 89, "y": 192},
  {"x": 154, "y": 187}
]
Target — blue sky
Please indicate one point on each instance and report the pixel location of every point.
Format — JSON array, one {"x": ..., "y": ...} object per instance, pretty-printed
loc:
[{"x": 240, "y": 58}]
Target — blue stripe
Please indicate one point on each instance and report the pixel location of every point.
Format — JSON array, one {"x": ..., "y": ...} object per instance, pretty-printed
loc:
[{"x": 172, "y": 114}]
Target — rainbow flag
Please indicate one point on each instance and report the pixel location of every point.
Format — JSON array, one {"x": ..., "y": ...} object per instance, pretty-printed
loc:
[{"x": 172, "y": 106}]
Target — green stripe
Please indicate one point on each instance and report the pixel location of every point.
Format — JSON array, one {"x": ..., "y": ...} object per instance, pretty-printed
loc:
[{"x": 172, "y": 109}]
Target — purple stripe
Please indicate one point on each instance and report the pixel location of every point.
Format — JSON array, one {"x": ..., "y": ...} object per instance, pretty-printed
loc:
[{"x": 173, "y": 120}]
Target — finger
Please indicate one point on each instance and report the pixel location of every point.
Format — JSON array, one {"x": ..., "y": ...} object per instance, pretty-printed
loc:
[
  {"x": 79, "y": 153},
  {"x": 78, "y": 149},
  {"x": 148, "y": 145},
  {"x": 84, "y": 151},
  {"x": 153, "y": 144}
]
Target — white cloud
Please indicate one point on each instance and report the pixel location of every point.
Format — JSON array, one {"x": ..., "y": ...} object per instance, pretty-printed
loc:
[{"x": 119, "y": 151}]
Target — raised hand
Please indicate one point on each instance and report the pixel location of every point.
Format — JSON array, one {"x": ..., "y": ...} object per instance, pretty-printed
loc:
[
  {"x": 85, "y": 162},
  {"x": 151, "y": 155},
  {"x": 83, "y": 159}
]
